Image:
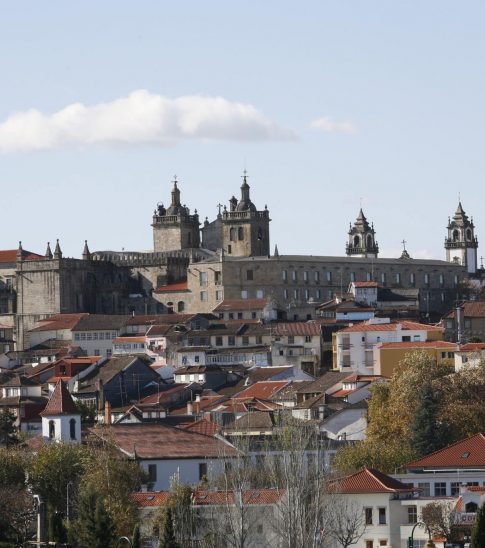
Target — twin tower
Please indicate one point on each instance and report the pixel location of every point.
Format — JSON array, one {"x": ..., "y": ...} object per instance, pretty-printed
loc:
[{"x": 241, "y": 231}]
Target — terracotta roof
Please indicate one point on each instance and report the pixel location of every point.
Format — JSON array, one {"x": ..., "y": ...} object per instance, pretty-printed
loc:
[
  {"x": 150, "y": 498},
  {"x": 266, "y": 373},
  {"x": 296, "y": 328},
  {"x": 471, "y": 347},
  {"x": 95, "y": 322},
  {"x": 365, "y": 284},
  {"x": 419, "y": 344},
  {"x": 261, "y": 390},
  {"x": 60, "y": 402},
  {"x": 323, "y": 383},
  {"x": 203, "y": 426},
  {"x": 173, "y": 288},
  {"x": 467, "y": 453},
  {"x": 159, "y": 330},
  {"x": 129, "y": 339},
  {"x": 19, "y": 380},
  {"x": 368, "y": 480},
  {"x": 10, "y": 256},
  {"x": 157, "y": 441},
  {"x": 58, "y": 322},
  {"x": 405, "y": 326},
  {"x": 251, "y": 496},
  {"x": 471, "y": 309},
  {"x": 229, "y": 305}
]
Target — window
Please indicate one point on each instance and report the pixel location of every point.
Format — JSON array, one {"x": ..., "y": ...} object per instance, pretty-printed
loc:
[
  {"x": 259, "y": 294},
  {"x": 231, "y": 340},
  {"x": 455, "y": 488},
  {"x": 440, "y": 489},
  {"x": 181, "y": 304},
  {"x": 318, "y": 294},
  {"x": 202, "y": 471},
  {"x": 305, "y": 276},
  {"x": 245, "y": 341},
  {"x": 329, "y": 277},
  {"x": 317, "y": 276},
  {"x": 295, "y": 293},
  {"x": 52, "y": 429},
  {"x": 352, "y": 276},
  {"x": 368, "y": 276},
  {"x": 416, "y": 337},
  {"x": 412, "y": 514},
  {"x": 108, "y": 353},
  {"x": 76, "y": 336},
  {"x": 219, "y": 341},
  {"x": 259, "y": 339},
  {"x": 219, "y": 295},
  {"x": 369, "y": 544},
  {"x": 426, "y": 279},
  {"x": 244, "y": 294},
  {"x": 253, "y": 315},
  {"x": 203, "y": 279},
  {"x": 412, "y": 278},
  {"x": 442, "y": 280},
  {"x": 284, "y": 274},
  {"x": 239, "y": 315},
  {"x": 249, "y": 275},
  {"x": 398, "y": 277},
  {"x": 382, "y": 516},
  {"x": 240, "y": 233},
  {"x": 203, "y": 296},
  {"x": 307, "y": 294},
  {"x": 217, "y": 277},
  {"x": 97, "y": 352},
  {"x": 285, "y": 293},
  {"x": 72, "y": 429},
  {"x": 308, "y": 338},
  {"x": 425, "y": 490},
  {"x": 368, "y": 516},
  {"x": 229, "y": 249},
  {"x": 232, "y": 234},
  {"x": 294, "y": 275},
  {"x": 383, "y": 277},
  {"x": 152, "y": 473},
  {"x": 291, "y": 339}
]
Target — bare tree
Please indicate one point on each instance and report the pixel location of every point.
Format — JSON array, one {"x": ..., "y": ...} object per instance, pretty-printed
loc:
[
  {"x": 346, "y": 520},
  {"x": 439, "y": 518}
]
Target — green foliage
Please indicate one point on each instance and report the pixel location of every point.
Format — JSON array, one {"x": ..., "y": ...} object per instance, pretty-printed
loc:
[
  {"x": 428, "y": 432},
  {"x": 93, "y": 527},
  {"x": 478, "y": 531},
  {"x": 167, "y": 538},
  {"x": 56, "y": 530},
  {"x": 8, "y": 431},
  {"x": 55, "y": 466},
  {"x": 88, "y": 412},
  {"x": 12, "y": 467},
  {"x": 136, "y": 540}
]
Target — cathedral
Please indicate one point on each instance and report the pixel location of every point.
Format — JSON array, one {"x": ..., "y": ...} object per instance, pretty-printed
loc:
[{"x": 194, "y": 266}]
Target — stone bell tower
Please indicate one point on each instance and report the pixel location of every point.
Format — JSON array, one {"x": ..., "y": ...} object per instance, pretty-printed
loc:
[
  {"x": 362, "y": 239},
  {"x": 461, "y": 244},
  {"x": 174, "y": 228}
]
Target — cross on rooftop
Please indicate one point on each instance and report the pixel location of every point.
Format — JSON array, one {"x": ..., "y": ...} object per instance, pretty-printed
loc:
[
  {"x": 219, "y": 206},
  {"x": 404, "y": 245}
]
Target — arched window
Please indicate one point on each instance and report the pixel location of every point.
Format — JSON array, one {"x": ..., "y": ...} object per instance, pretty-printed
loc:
[
  {"x": 180, "y": 306},
  {"x": 232, "y": 234},
  {"x": 456, "y": 235},
  {"x": 260, "y": 233},
  {"x": 369, "y": 241},
  {"x": 72, "y": 429},
  {"x": 468, "y": 234},
  {"x": 240, "y": 233},
  {"x": 52, "y": 430},
  {"x": 170, "y": 307},
  {"x": 356, "y": 241}
]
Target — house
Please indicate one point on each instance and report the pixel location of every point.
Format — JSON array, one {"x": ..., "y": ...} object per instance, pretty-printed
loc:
[
  {"x": 61, "y": 419},
  {"x": 345, "y": 310},
  {"x": 354, "y": 345},
  {"x": 119, "y": 380},
  {"x": 298, "y": 344},
  {"x": 23, "y": 398},
  {"x": 470, "y": 354},
  {"x": 165, "y": 451},
  {"x": 247, "y": 309},
  {"x": 95, "y": 333},
  {"x": 388, "y": 355},
  {"x": 468, "y": 318},
  {"x": 208, "y": 376},
  {"x": 56, "y": 326}
]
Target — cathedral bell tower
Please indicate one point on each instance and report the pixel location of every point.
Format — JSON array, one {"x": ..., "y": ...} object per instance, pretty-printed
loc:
[
  {"x": 362, "y": 242},
  {"x": 461, "y": 244},
  {"x": 174, "y": 228}
]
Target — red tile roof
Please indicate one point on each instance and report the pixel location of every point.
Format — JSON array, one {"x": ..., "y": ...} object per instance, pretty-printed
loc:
[
  {"x": 365, "y": 284},
  {"x": 363, "y": 378},
  {"x": 10, "y": 256},
  {"x": 368, "y": 480},
  {"x": 419, "y": 344},
  {"x": 58, "y": 321},
  {"x": 229, "y": 305},
  {"x": 150, "y": 498},
  {"x": 129, "y": 339},
  {"x": 251, "y": 496},
  {"x": 471, "y": 347},
  {"x": 173, "y": 288},
  {"x": 60, "y": 402},
  {"x": 157, "y": 441},
  {"x": 471, "y": 309},
  {"x": 203, "y": 426},
  {"x": 261, "y": 390},
  {"x": 405, "y": 326},
  {"x": 467, "y": 453},
  {"x": 296, "y": 328}
]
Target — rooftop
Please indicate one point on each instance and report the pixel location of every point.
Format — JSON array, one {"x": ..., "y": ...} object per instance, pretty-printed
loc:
[
  {"x": 368, "y": 480},
  {"x": 60, "y": 402}
]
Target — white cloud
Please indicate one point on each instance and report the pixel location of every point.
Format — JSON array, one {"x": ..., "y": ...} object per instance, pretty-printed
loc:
[
  {"x": 139, "y": 118},
  {"x": 329, "y": 126}
]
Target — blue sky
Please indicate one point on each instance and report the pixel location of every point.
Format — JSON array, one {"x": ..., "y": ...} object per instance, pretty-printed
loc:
[{"x": 325, "y": 103}]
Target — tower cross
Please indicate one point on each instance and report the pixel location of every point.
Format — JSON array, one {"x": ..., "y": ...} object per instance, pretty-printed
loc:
[
  {"x": 219, "y": 207},
  {"x": 404, "y": 245}
]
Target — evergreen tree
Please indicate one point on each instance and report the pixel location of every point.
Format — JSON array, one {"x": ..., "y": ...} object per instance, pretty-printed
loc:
[
  {"x": 57, "y": 531},
  {"x": 478, "y": 531},
  {"x": 136, "y": 542},
  {"x": 104, "y": 526},
  {"x": 428, "y": 433},
  {"x": 167, "y": 539},
  {"x": 8, "y": 432}
]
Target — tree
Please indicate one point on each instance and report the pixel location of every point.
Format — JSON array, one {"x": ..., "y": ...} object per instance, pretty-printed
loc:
[
  {"x": 16, "y": 513},
  {"x": 136, "y": 542},
  {"x": 93, "y": 527},
  {"x": 439, "y": 519},
  {"x": 167, "y": 538},
  {"x": 346, "y": 521},
  {"x": 56, "y": 529},
  {"x": 8, "y": 431},
  {"x": 478, "y": 531},
  {"x": 428, "y": 432}
]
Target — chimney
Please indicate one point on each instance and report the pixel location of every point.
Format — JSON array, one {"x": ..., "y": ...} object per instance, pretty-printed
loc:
[
  {"x": 459, "y": 324},
  {"x": 190, "y": 408},
  {"x": 100, "y": 388},
  {"x": 197, "y": 397},
  {"x": 107, "y": 413}
]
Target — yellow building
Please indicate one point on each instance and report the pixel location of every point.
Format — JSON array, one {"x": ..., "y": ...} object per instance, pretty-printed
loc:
[{"x": 387, "y": 355}]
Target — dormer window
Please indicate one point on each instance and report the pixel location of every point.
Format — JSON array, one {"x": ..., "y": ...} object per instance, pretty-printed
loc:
[{"x": 465, "y": 455}]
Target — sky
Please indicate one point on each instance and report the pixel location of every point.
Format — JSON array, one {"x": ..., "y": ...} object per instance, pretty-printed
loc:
[{"x": 327, "y": 104}]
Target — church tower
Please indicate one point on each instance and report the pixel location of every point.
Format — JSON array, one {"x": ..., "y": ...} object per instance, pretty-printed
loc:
[
  {"x": 174, "y": 228},
  {"x": 61, "y": 419},
  {"x": 461, "y": 244},
  {"x": 362, "y": 239},
  {"x": 245, "y": 230}
]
